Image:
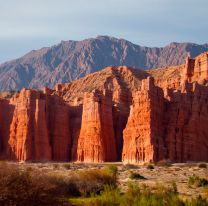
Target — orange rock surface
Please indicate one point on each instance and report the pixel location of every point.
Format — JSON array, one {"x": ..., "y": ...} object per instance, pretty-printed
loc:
[
  {"x": 96, "y": 142},
  {"x": 28, "y": 138},
  {"x": 143, "y": 140},
  {"x": 115, "y": 114},
  {"x": 186, "y": 118},
  {"x": 39, "y": 128}
]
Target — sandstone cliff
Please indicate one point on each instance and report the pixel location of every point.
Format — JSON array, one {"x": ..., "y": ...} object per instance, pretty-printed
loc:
[
  {"x": 36, "y": 131},
  {"x": 116, "y": 114},
  {"x": 96, "y": 142},
  {"x": 185, "y": 123},
  {"x": 143, "y": 140}
]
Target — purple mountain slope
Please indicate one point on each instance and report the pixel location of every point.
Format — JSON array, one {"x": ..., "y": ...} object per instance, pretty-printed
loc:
[{"x": 71, "y": 60}]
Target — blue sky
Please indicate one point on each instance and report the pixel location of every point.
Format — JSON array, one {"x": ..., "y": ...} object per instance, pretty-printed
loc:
[{"x": 31, "y": 24}]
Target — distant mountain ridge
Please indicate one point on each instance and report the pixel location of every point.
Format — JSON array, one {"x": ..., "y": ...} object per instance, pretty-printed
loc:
[{"x": 70, "y": 60}]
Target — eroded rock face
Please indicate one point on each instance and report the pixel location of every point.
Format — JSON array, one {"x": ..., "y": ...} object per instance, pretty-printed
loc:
[
  {"x": 116, "y": 114},
  {"x": 167, "y": 127},
  {"x": 6, "y": 114},
  {"x": 26, "y": 130},
  {"x": 58, "y": 115},
  {"x": 143, "y": 133},
  {"x": 186, "y": 118},
  {"x": 96, "y": 142},
  {"x": 39, "y": 130}
]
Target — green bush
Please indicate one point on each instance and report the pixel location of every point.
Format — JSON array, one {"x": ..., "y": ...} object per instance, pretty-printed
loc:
[
  {"x": 142, "y": 197},
  {"x": 112, "y": 170},
  {"x": 110, "y": 196},
  {"x": 136, "y": 176}
]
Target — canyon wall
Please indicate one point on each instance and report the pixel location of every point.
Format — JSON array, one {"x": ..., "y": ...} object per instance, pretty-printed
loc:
[
  {"x": 112, "y": 115},
  {"x": 170, "y": 124},
  {"x": 143, "y": 132},
  {"x": 96, "y": 142},
  {"x": 6, "y": 114},
  {"x": 38, "y": 128},
  {"x": 169, "y": 127},
  {"x": 186, "y": 117}
]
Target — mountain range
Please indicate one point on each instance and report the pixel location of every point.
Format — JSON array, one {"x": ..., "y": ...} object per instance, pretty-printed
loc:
[{"x": 70, "y": 60}]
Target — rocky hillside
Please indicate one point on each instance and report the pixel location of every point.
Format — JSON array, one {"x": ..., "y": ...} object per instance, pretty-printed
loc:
[{"x": 71, "y": 60}]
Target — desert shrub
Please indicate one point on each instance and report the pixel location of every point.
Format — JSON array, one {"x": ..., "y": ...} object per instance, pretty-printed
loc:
[
  {"x": 199, "y": 201},
  {"x": 29, "y": 169},
  {"x": 202, "y": 165},
  {"x": 192, "y": 179},
  {"x": 150, "y": 167},
  {"x": 83, "y": 182},
  {"x": 21, "y": 187},
  {"x": 197, "y": 181},
  {"x": 65, "y": 185},
  {"x": 67, "y": 166},
  {"x": 136, "y": 176},
  {"x": 92, "y": 181},
  {"x": 174, "y": 188},
  {"x": 112, "y": 170},
  {"x": 56, "y": 166}
]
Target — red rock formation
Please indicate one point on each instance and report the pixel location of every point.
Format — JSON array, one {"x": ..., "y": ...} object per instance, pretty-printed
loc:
[
  {"x": 29, "y": 139},
  {"x": 196, "y": 69},
  {"x": 112, "y": 114},
  {"x": 6, "y": 114},
  {"x": 186, "y": 118},
  {"x": 173, "y": 129},
  {"x": 96, "y": 142},
  {"x": 143, "y": 133},
  {"x": 39, "y": 129},
  {"x": 59, "y": 128},
  {"x": 169, "y": 77}
]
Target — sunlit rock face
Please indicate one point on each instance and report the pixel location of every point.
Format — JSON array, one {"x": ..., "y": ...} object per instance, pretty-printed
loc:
[
  {"x": 143, "y": 135},
  {"x": 39, "y": 127},
  {"x": 96, "y": 142}
]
